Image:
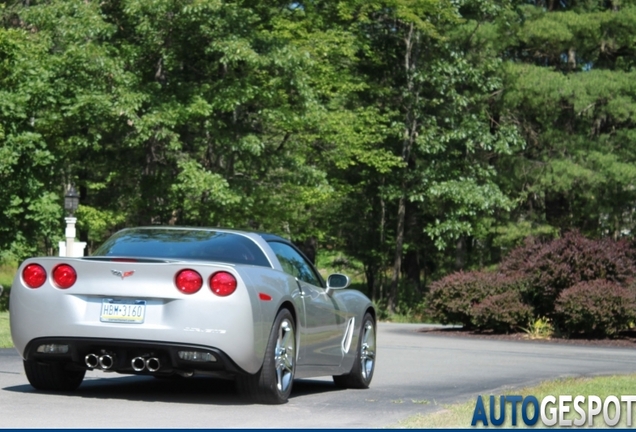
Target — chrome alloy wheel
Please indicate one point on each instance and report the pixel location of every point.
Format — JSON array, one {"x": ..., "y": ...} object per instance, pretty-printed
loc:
[
  {"x": 367, "y": 350},
  {"x": 285, "y": 355}
]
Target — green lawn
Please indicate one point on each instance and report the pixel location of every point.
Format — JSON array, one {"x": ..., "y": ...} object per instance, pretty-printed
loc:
[
  {"x": 5, "y": 334},
  {"x": 460, "y": 415}
]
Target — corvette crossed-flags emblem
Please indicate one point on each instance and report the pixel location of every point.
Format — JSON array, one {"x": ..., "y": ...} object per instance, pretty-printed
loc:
[{"x": 122, "y": 274}]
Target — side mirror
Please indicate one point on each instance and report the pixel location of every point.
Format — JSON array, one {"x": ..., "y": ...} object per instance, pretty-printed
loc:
[{"x": 337, "y": 281}]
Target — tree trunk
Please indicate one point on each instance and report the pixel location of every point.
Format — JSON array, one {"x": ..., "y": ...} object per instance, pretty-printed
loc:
[
  {"x": 460, "y": 253},
  {"x": 410, "y": 132},
  {"x": 572, "y": 58},
  {"x": 309, "y": 247},
  {"x": 557, "y": 210},
  {"x": 369, "y": 272},
  {"x": 397, "y": 258}
]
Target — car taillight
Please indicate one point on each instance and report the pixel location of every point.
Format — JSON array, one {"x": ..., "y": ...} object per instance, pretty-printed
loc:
[
  {"x": 188, "y": 281},
  {"x": 222, "y": 284},
  {"x": 64, "y": 276},
  {"x": 34, "y": 275}
]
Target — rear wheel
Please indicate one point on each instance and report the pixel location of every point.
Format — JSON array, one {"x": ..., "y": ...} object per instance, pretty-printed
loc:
[
  {"x": 364, "y": 363},
  {"x": 273, "y": 383},
  {"x": 52, "y": 376}
]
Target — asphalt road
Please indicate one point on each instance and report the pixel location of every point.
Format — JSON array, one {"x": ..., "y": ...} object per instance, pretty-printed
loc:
[{"x": 415, "y": 373}]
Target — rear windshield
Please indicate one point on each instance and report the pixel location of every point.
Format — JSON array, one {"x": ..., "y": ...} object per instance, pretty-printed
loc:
[{"x": 184, "y": 244}]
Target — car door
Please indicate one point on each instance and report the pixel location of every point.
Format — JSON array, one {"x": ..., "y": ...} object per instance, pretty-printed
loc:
[{"x": 322, "y": 324}]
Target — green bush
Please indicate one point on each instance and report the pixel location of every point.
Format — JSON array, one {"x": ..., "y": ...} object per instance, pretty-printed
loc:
[
  {"x": 4, "y": 298},
  {"x": 7, "y": 271},
  {"x": 502, "y": 313},
  {"x": 597, "y": 308}
]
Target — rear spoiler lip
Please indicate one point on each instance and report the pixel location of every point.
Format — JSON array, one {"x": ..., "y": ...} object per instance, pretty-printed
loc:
[
  {"x": 125, "y": 259},
  {"x": 147, "y": 260}
]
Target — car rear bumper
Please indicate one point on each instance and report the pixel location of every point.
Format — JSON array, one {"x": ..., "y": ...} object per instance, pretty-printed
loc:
[{"x": 168, "y": 356}]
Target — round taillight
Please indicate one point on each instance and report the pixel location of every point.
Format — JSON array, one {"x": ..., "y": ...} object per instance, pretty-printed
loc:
[
  {"x": 34, "y": 275},
  {"x": 188, "y": 281},
  {"x": 222, "y": 284},
  {"x": 64, "y": 276}
]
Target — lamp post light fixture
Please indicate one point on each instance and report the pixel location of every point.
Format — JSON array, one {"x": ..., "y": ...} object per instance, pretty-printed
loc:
[{"x": 71, "y": 201}]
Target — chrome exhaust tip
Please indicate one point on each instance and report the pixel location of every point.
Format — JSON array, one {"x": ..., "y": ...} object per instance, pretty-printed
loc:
[
  {"x": 91, "y": 360},
  {"x": 138, "y": 364},
  {"x": 153, "y": 364},
  {"x": 106, "y": 361}
]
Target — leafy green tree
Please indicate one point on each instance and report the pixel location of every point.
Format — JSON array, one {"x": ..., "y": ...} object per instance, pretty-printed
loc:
[
  {"x": 199, "y": 113},
  {"x": 425, "y": 71},
  {"x": 46, "y": 117}
]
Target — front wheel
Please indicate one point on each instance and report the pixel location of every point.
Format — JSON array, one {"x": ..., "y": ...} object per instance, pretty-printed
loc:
[
  {"x": 364, "y": 363},
  {"x": 273, "y": 383},
  {"x": 52, "y": 376}
]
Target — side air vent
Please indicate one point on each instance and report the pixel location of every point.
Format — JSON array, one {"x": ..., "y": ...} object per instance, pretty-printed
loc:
[{"x": 348, "y": 335}]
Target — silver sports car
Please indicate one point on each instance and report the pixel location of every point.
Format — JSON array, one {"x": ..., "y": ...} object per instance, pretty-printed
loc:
[{"x": 167, "y": 301}]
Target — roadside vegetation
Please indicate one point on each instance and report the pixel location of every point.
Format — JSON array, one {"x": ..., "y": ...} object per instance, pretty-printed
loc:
[
  {"x": 428, "y": 149},
  {"x": 7, "y": 272},
  {"x": 411, "y": 304},
  {"x": 568, "y": 287},
  {"x": 5, "y": 333},
  {"x": 460, "y": 415},
  {"x": 415, "y": 137}
]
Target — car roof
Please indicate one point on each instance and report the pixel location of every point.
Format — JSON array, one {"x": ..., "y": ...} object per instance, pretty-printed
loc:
[{"x": 264, "y": 236}]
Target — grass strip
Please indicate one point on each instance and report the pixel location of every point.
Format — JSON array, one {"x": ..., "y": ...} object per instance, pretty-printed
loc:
[
  {"x": 5, "y": 333},
  {"x": 460, "y": 415}
]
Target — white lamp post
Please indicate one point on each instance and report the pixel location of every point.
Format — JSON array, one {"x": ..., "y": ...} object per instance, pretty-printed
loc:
[{"x": 70, "y": 248}]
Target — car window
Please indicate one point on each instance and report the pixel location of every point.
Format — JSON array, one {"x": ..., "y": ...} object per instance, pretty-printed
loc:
[
  {"x": 294, "y": 263},
  {"x": 184, "y": 244}
]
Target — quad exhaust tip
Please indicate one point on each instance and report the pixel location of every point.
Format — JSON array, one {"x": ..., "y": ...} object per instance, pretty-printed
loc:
[
  {"x": 106, "y": 361},
  {"x": 138, "y": 364},
  {"x": 153, "y": 364},
  {"x": 91, "y": 360}
]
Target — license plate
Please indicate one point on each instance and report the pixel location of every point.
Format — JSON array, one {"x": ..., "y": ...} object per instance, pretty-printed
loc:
[{"x": 123, "y": 311}]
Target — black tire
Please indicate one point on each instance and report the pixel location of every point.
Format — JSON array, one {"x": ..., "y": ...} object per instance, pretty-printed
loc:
[
  {"x": 273, "y": 383},
  {"x": 364, "y": 364},
  {"x": 52, "y": 376}
]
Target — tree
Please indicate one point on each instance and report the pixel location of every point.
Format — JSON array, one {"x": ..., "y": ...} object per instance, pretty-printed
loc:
[
  {"x": 569, "y": 87},
  {"x": 433, "y": 90},
  {"x": 56, "y": 100},
  {"x": 199, "y": 113}
]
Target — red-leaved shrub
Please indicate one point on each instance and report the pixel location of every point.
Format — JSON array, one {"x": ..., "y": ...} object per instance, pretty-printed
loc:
[
  {"x": 596, "y": 308},
  {"x": 582, "y": 284},
  {"x": 551, "y": 267},
  {"x": 502, "y": 313},
  {"x": 452, "y": 298}
]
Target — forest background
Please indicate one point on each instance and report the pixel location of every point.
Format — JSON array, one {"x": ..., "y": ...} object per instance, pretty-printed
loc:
[{"x": 405, "y": 139}]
